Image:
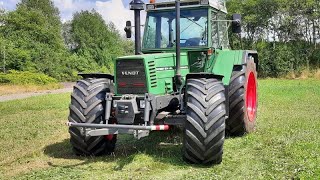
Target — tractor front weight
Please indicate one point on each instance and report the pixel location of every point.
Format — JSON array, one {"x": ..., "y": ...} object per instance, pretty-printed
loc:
[
  {"x": 139, "y": 131},
  {"x": 127, "y": 109}
]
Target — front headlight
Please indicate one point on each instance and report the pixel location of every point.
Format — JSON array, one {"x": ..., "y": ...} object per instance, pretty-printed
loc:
[{"x": 142, "y": 104}]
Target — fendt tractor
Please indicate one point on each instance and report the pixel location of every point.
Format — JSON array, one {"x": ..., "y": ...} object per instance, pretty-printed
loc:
[{"x": 182, "y": 74}]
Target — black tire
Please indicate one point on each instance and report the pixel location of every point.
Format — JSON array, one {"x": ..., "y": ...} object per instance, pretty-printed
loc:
[
  {"x": 87, "y": 106},
  {"x": 205, "y": 126},
  {"x": 242, "y": 120}
]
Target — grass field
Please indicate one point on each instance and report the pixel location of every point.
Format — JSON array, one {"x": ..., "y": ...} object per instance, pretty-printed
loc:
[
  {"x": 34, "y": 142},
  {"x": 6, "y": 89}
]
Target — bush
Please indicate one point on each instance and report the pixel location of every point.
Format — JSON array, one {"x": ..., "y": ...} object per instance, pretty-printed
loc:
[
  {"x": 278, "y": 59},
  {"x": 26, "y": 78}
]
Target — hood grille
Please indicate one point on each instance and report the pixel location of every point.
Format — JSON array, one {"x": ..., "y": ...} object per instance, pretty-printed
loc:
[{"x": 131, "y": 77}]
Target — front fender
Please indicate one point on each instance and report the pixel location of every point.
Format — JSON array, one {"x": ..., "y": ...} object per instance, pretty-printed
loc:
[{"x": 96, "y": 75}]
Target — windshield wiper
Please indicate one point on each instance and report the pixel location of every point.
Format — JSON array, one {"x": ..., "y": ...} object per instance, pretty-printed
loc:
[
  {"x": 190, "y": 24},
  {"x": 191, "y": 20}
]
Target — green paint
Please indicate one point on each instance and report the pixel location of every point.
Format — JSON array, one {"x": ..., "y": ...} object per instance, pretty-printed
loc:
[{"x": 222, "y": 63}]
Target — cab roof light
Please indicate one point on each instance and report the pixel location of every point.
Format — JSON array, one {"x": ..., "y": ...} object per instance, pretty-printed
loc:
[
  {"x": 150, "y": 6},
  {"x": 168, "y": 1}
]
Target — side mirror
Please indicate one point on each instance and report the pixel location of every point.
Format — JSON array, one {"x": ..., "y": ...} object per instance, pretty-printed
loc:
[
  {"x": 236, "y": 23},
  {"x": 127, "y": 29}
]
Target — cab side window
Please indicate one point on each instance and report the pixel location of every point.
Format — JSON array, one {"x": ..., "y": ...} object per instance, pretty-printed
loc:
[{"x": 219, "y": 30}]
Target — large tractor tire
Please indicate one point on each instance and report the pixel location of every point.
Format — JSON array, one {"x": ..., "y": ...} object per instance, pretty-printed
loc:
[
  {"x": 243, "y": 100},
  {"x": 205, "y": 126},
  {"x": 88, "y": 106}
]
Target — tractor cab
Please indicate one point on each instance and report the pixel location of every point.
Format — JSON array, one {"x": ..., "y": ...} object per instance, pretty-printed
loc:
[{"x": 202, "y": 26}]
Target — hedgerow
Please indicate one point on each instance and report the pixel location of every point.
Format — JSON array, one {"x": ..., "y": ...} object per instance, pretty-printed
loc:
[{"x": 26, "y": 78}]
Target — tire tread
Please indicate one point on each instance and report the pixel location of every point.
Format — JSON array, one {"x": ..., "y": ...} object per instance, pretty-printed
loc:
[
  {"x": 205, "y": 125},
  {"x": 87, "y": 107}
]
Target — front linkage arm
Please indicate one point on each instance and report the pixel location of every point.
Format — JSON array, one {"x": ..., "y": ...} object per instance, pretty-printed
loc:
[{"x": 152, "y": 104}]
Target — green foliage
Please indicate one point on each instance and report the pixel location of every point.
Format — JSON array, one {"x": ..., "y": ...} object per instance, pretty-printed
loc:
[
  {"x": 33, "y": 39},
  {"x": 286, "y": 33},
  {"x": 25, "y": 78},
  {"x": 93, "y": 39},
  {"x": 47, "y": 8}
]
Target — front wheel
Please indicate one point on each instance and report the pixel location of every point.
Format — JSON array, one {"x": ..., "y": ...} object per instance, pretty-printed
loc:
[
  {"x": 205, "y": 126},
  {"x": 88, "y": 106}
]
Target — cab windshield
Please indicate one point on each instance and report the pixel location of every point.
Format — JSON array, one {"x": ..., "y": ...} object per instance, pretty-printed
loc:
[{"x": 160, "y": 29}]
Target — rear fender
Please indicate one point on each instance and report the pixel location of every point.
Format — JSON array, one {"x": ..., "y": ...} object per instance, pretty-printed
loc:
[
  {"x": 223, "y": 62},
  {"x": 253, "y": 54}
]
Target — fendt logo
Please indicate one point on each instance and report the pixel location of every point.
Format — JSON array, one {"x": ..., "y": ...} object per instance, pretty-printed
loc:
[{"x": 130, "y": 73}]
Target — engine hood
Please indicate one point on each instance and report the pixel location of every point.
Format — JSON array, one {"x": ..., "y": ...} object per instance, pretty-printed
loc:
[{"x": 156, "y": 74}]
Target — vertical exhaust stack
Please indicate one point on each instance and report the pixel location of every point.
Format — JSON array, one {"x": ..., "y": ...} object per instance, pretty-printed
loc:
[
  {"x": 137, "y": 6},
  {"x": 178, "y": 64}
]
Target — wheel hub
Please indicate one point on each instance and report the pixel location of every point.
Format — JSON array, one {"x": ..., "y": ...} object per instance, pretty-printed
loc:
[
  {"x": 251, "y": 97},
  {"x": 109, "y": 137}
]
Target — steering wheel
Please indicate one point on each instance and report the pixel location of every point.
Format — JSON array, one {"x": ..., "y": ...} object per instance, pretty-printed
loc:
[
  {"x": 182, "y": 44},
  {"x": 192, "y": 42}
]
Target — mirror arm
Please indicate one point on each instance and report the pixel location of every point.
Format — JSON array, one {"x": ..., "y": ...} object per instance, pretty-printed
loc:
[{"x": 237, "y": 21}]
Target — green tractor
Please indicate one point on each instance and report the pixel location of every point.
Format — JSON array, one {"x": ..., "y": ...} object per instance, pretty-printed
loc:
[{"x": 183, "y": 74}]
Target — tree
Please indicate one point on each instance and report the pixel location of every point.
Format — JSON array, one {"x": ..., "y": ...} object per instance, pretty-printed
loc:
[
  {"x": 94, "y": 39},
  {"x": 34, "y": 32},
  {"x": 36, "y": 40},
  {"x": 51, "y": 13},
  {"x": 285, "y": 32}
]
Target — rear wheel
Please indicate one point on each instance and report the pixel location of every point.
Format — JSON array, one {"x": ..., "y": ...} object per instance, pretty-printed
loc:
[
  {"x": 205, "y": 126},
  {"x": 88, "y": 106},
  {"x": 243, "y": 99}
]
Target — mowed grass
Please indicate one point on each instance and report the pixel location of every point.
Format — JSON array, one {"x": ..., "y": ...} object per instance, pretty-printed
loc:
[
  {"x": 6, "y": 89},
  {"x": 34, "y": 142}
]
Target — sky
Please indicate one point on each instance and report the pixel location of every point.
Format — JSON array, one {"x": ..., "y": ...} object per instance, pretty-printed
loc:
[{"x": 116, "y": 11}]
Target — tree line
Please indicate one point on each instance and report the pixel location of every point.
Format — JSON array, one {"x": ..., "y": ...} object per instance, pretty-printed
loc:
[
  {"x": 33, "y": 38},
  {"x": 286, "y": 33}
]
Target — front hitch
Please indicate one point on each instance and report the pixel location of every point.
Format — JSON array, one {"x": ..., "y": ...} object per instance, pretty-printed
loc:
[{"x": 107, "y": 129}]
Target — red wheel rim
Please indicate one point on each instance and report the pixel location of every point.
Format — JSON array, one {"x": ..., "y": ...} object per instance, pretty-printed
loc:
[
  {"x": 109, "y": 137},
  {"x": 251, "y": 97}
]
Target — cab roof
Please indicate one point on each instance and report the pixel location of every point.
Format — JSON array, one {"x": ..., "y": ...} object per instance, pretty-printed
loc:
[{"x": 170, "y": 4}]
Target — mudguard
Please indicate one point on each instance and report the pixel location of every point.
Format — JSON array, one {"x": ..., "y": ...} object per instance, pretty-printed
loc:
[{"x": 96, "y": 75}]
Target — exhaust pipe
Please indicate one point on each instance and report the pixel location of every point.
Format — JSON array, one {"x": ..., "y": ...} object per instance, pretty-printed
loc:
[
  {"x": 178, "y": 78},
  {"x": 137, "y": 6}
]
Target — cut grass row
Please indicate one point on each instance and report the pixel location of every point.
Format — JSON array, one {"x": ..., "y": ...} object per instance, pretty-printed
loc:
[
  {"x": 34, "y": 142},
  {"x": 6, "y": 89}
]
